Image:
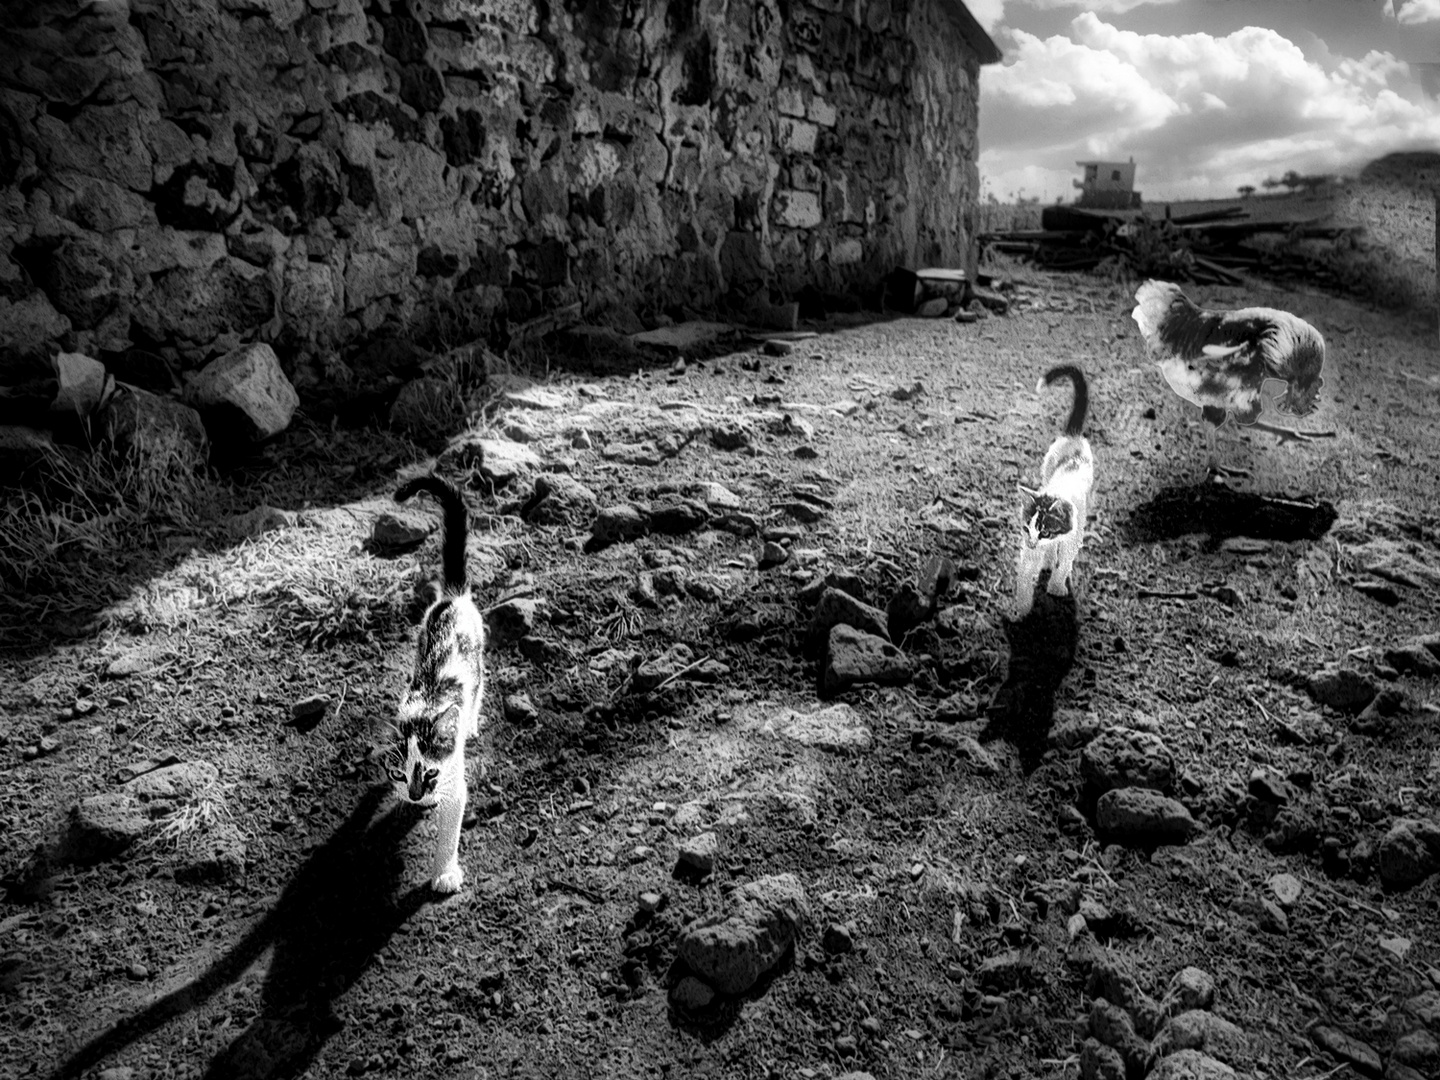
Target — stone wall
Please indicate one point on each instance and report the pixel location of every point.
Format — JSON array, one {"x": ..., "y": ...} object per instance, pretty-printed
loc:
[{"x": 181, "y": 177}]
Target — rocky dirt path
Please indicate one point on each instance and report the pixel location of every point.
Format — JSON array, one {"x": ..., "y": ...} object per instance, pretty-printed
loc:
[{"x": 740, "y": 811}]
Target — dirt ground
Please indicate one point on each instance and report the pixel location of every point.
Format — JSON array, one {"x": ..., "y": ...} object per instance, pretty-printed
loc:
[{"x": 326, "y": 955}]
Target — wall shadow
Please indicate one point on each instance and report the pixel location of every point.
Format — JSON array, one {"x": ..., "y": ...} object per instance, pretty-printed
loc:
[
  {"x": 326, "y": 929},
  {"x": 1042, "y": 651}
]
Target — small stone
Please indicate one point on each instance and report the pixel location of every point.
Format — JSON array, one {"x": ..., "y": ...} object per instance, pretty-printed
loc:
[
  {"x": 1073, "y": 729},
  {"x": 855, "y": 657},
  {"x": 846, "y": 1046},
  {"x": 773, "y": 554},
  {"x": 1342, "y": 689},
  {"x": 1191, "y": 1065},
  {"x": 907, "y": 609},
  {"x": 673, "y": 515},
  {"x": 1121, "y": 757},
  {"x": 1272, "y": 918},
  {"x": 394, "y": 532},
  {"x": 1100, "y": 1062},
  {"x": 561, "y": 500},
  {"x": 732, "y": 951},
  {"x": 138, "y": 971},
  {"x": 581, "y": 440},
  {"x": 650, "y": 901},
  {"x": 261, "y": 520},
  {"x": 244, "y": 395},
  {"x": 1010, "y": 970},
  {"x": 837, "y": 939},
  {"x": 1409, "y": 853},
  {"x": 1286, "y": 889},
  {"x": 1143, "y": 818},
  {"x": 307, "y": 712},
  {"x": 663, "y": 668},
  {"x": 520, "y": 710},
  {"x": 1413, "y": 659},
  {"x": 511, "y": 620},
  {"x": 699, "y": 852},
  {"x": 1346, "y": 1048},
  {"x": 691, "y": 993},
  {"x": 618, "y": 525}
]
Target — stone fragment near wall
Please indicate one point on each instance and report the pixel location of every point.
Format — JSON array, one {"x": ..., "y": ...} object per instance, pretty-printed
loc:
[
  {"x": 243, "y": 396},
  {"x": 160, "y": 431}
]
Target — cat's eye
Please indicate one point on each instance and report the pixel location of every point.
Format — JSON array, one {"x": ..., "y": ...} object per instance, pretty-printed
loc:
[
  {"x": 431, "y": 773},
  {"x": 397, "y": 776}
]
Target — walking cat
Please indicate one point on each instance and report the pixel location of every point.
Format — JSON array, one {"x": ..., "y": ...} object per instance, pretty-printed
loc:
[
  {"x": 1052, "y": 519},
  {"x": 423, "y": 748}
]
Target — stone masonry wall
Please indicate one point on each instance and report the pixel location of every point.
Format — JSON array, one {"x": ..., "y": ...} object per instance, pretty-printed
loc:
[{"x": 181, "y": 177}]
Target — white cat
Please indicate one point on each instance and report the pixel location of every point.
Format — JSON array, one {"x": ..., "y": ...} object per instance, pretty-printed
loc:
[
  {"x": 423, "y": 748},
  {"x": 1052, "y": 519}
]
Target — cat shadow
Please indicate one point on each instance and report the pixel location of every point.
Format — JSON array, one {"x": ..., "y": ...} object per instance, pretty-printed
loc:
[
  {"x": 1220, "y": 511},
  {"x": 1042, "y": 651},
  {"x": 337, "y": 913}
]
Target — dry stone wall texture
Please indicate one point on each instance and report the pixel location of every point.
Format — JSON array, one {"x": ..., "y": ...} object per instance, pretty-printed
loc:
[{"x": 180, "y": 178}]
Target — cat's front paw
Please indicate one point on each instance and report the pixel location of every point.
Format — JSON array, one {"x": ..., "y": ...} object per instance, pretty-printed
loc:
[
  {"x": 448, "y": 880},
  {"x": 1057, "y": 588}
]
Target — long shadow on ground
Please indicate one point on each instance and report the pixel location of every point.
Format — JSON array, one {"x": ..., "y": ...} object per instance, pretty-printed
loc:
[
  {"x": 326, "y": 929},
  {"x": 1222, "y": 512},
  {"x": 1042, "y": 651}
]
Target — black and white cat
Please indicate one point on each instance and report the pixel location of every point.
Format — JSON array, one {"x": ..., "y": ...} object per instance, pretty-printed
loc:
[
  {"x": 423, "y": 748},
  {"x": 1052, "y": 519}
]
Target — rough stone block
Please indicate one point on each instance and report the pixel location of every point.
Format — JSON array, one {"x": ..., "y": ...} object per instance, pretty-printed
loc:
[
  {"x": 244, "y": 394},
  {"x": 797, "y": 209},
  {"x": 797, "y": 136}
]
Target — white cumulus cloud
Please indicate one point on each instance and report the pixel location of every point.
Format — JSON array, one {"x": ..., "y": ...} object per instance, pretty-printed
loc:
[
  {"x": 1201, "y": 114},
  {"x": 1414, "y": 12}
]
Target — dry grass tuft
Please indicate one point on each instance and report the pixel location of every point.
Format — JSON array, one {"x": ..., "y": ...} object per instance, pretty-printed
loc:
[{"x": 202, "y": 813}]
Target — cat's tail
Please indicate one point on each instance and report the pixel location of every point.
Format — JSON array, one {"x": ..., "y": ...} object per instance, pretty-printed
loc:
[
  {"x": 1076, "y": 423},
  {"x": 457, "y": 527}
]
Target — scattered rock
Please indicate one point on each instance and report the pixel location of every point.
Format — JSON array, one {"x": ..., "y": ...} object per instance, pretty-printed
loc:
[
  {"x": 520, "y": 710},
  {"x": 511, "y": 620},
  {"x": 773, "y": 554},
  {"x": 1190, "y": 988},
  {"x": 957, "y": 708},
  {"x": 135, "y": 661},
  {"x": 1346, "y": 1048},
  {"x": 156, "y": 430},
  {"x": 674, "y": 515},
  {"x": 1343, "y": 689},
  {"x": 1100, "y": 1062},
  {"x": 173, "y": 784},
  {"x": 82, "y": 384},
  {"x": 645, "y": 455},
  {"x": 1286, "y": 888},
  {"x": 1007, "y": 971},
  {"x": 733, "y": 951},
  {"x": 837, "y": 607},
  {"x": 498, "y": 461},
  {"x": 691, "y": 993},
  {"x": 393, "y": 533},
  {"x": 307, "y": 713},
  {"x": 1409, "y": 853},
  {"x": 561, "y": 500},
  {"x": 837, "y": 939},
  {"x": 730, "y": 436},
  {"x": 215, "y": 856},
  {"x": 700, "y": 851},
  {"x": 535, "y": 397},
  {"x": 1121, "y": 757},
  {"x": 1197, "y": 1029},
  {"x": 1142, "y": 817},
  {"x": 838, "y": 728},
  {"x": 1072, "y": 729},
  {"x": 907, "y": 609},
  {"x": 1191, "y": 1065},
  {"x": 244, "y": 395},
  {"x": 618, "y": 525},
  {"x": 659, "y": 669},
  {"x": 1413, "y": 659},
  {"x": 650, "y": 902},
  {"x": 854, "y": 656}
]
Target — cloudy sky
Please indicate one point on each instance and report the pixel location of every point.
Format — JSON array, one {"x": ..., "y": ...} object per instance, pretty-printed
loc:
[{"x": 1206, "y": 95}]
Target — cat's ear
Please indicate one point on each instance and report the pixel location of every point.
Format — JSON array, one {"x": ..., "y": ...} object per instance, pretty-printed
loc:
[{"x": 1027, "y": 495}]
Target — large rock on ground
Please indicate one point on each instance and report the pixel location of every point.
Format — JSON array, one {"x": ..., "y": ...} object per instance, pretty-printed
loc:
[
  {"x": 561, "y": 500},
  {"x": 1343, "y": 689},
  {"x": 854, "y": 657},
  {"x": 1196, "y": 1029},
  {"x": 82, "y": 384},
  {"x": 1409, "y": 853},
  {"x": 244, "y": 395},
  {"x": 733, "y": 951},
  {"x": 1121, "y": 757},
  {"x": 836, "y": 607},
  {"x": 159, "y": 431},
  {"x": 618, "y": 525},
  {"x": 1191, "y": 1065},
  {"x": 1140, "y": 817},
  {"x": 100, "y": 827}
]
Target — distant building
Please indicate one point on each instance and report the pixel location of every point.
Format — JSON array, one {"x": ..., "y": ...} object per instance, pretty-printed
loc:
[{"x": 1108, "y": 185}]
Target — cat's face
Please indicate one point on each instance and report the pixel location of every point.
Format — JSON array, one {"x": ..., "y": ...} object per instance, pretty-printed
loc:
[
  {"x": 1043, "y": 517},
  {"x": 415, "y": 753}
]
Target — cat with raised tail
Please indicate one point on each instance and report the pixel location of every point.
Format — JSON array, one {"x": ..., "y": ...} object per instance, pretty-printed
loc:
[
  {"x": 423, "y": 747},
  {"x": 1052, "y": 517}
]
